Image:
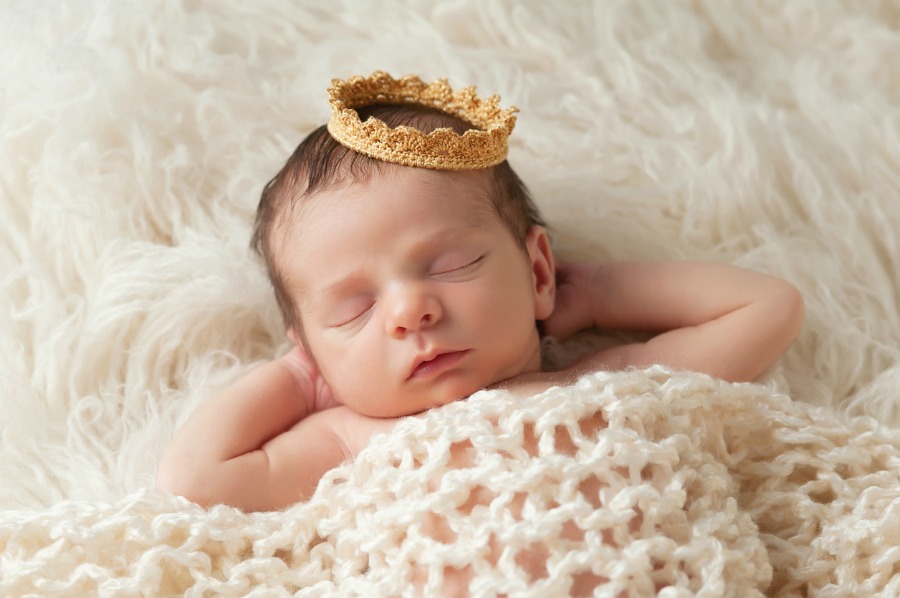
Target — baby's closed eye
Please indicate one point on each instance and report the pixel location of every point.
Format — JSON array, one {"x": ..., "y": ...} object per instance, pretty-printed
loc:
[
  {"x": 453, "y": 265},
  {"x": 350, "y": 310}
]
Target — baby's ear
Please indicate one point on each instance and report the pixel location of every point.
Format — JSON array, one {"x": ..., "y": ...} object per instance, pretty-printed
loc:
[{"x": 543, "y": 270}]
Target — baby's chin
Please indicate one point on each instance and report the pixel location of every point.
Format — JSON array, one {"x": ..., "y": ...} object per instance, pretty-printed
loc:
[{"x": 419, "y": 402}]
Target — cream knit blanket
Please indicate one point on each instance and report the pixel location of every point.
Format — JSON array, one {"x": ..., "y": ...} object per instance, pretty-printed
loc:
[
  {"x": 635, "y": 482},
  {"x": 135, "y": 138}
]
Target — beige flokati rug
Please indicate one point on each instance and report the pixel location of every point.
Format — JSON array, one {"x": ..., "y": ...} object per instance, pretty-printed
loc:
[{"x": 135, "y": 137}]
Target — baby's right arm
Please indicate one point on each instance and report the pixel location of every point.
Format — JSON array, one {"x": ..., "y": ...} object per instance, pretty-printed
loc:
[{"x": 261, "y": 444}]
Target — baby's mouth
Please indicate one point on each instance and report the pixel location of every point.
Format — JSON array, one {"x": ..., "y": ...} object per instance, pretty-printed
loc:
[{"x": 439, "y": 362}]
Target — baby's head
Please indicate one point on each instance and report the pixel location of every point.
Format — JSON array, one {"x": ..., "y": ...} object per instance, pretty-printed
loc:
[{"x": 409, "y": 287}]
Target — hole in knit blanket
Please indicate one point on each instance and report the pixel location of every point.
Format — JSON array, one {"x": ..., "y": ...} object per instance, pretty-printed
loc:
[
  {"x": 589, "y": 426},
  {"x": 438, "y": 528},
  {"x": 563, "y": 441},
  {"x": 456, "y": 581},
  {"x": 802, "y": 473},
  {"x": 479, "y": 496},
  {"x": 452, "y": 581},
  {"x": 820, "y": 491},
  {"x": 572, "y": 531},
  {"x": 533, "y": 560},
  {"x": 285, "y": 555},
  {"x": 590, "y": 488},
  {"x": 584, "y": 583}
]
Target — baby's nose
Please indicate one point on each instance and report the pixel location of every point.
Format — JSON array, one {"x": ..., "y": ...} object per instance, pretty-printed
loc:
[{"x": 413, "y": 309}]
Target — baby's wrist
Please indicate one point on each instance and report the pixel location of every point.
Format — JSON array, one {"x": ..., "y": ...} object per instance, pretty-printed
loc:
[
  {"x": 297, "y": 364},
  {"x": 595, "y": 285}
]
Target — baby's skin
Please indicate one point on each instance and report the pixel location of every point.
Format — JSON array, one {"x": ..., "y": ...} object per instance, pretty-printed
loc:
[{"x": 413, "y": 293}]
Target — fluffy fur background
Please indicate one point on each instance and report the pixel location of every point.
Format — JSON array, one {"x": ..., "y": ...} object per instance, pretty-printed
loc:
[{"x": 135, "y": 137}]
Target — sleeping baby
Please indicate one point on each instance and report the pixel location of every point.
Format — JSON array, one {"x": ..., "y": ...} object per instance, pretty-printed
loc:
[{"x": 412, "y": 269}]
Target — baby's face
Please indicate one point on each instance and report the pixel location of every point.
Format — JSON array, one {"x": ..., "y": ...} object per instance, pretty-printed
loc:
[{"x": 411, "y": 291}]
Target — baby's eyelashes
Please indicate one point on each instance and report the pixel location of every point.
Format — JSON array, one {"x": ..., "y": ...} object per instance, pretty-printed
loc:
[
  {"x": 449, "y": 270},
  {"x": 352, "y": 313}
]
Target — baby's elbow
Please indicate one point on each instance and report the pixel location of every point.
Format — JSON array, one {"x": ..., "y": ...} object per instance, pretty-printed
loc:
[
  {"x": 177, "y": 478},
  {"x": 784, "y": 312},
  {"x": 792, "y": 308}
]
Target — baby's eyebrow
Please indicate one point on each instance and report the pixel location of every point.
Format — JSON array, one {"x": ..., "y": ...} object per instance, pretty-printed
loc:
[{"x": 335, "y": 288}]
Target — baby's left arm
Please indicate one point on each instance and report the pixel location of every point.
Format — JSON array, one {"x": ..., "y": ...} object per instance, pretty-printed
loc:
[{"x": 722, "y": 320}]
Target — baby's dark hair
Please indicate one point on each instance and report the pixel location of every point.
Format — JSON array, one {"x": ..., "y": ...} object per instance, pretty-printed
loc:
[{"x": 320, "y": 162}]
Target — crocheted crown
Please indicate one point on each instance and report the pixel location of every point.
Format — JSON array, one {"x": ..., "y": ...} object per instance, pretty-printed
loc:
[{"x": 442, "y": 149}]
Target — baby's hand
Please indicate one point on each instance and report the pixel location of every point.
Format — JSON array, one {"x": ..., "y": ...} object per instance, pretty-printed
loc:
[
  {"x": 304, "y": 369},
  {"x": 575, "y": 297}
]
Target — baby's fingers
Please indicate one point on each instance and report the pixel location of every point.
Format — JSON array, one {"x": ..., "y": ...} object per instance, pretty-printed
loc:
[{"x": 561, "y": 324}]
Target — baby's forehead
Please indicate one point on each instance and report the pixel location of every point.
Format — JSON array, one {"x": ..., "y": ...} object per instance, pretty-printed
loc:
[
  {"x": 472, "y": 189},
  {"x": 429, "y": 212},
  {"x": 323, "y": 212}
]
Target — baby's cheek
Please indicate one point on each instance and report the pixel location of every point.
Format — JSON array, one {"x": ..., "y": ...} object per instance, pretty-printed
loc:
[
  {"x": 509, "y": 312},
  {"x": 488, "y": 302},
  {"x": 357, "y": 379}
]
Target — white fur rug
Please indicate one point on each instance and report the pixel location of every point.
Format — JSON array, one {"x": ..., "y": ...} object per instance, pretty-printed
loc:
[{"x": 135, "y": 137}]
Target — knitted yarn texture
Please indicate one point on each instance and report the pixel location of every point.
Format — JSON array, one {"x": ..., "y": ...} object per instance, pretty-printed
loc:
[{"x": 626, "y": 484}]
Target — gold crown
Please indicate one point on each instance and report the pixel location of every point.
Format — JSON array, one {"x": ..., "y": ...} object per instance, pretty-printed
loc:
[{"x": 442, "y": 149}]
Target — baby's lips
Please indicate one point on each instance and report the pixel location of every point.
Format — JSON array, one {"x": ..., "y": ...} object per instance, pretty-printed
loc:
[
  {"x": 420, "y": 359},
  {"x": 440, "y": 359}
]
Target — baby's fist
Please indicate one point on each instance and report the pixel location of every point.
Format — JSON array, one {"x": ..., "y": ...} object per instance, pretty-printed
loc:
[
  {"x": 307, "y": 374},
  {"x": 573, "y": 310}
]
